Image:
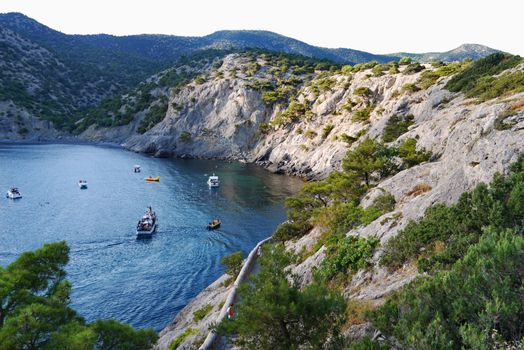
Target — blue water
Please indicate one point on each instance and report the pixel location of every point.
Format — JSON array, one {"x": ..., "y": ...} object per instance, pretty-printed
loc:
[{"x": 145, "y": 282}]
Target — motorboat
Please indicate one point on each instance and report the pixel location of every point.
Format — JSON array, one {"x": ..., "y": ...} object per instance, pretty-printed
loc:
[
  {"x": 147, "y": 224},
  {"x": 213, "y": 181},
  {"x": 82, "y": 184},
  {"x": 13, "y": 193},
  {"x": 213, "y": 225},
  {"x": 153, "y": 179},
  {"x": 136, "y": 168}
]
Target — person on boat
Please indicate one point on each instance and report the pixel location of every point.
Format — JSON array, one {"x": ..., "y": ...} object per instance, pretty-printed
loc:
[{"x": 230, "y": 312}]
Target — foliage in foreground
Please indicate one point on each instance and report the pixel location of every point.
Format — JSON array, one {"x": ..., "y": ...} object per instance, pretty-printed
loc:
[
  {"x": 273, "y": 313},
  {"x": 461, "y": 308},
  {"x": 35, "y": 312}
]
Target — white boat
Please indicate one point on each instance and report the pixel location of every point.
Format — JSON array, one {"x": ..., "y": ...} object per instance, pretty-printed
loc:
[
  {"x": 147, "y": 224},
  {"x": 213, "y": 181},
  {"x": 82, "y": 184},
  {"x": 13, "y": 193},
  {"x": 136, "y": 168}
]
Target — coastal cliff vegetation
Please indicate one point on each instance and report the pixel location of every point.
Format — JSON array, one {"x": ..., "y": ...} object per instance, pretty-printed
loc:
[{"x": 35, "y": 312}]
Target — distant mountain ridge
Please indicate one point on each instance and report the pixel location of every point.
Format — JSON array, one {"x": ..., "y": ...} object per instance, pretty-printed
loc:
[
  {"x": 148, "y": 47},
  {"x": 473, "y": 51}
]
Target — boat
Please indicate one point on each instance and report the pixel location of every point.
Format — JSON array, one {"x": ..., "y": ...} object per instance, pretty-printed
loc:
[
  {"x": 82, "y": 184},
  {"x": 213, "y": 225},
  {"x": 136, "y": 168},
  {"x": 151, "y": 179},
  {"x": 13, "y": 193},
  {"x": 147, "y": 224},
  {"x": 213, "y": 181}
]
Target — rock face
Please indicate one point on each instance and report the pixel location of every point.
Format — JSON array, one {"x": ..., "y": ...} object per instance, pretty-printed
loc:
[
  {"x": 461, "y": 134},
  {"x": 224, "y": 117}
]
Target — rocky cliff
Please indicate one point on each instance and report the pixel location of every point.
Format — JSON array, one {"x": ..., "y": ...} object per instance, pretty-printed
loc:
[
  {"x": 469, "y": 138},
  {"x": 235, "y": 112}
]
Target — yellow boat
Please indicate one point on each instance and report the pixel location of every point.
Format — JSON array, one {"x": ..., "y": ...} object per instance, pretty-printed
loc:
[{"x": 153, "y": 178}]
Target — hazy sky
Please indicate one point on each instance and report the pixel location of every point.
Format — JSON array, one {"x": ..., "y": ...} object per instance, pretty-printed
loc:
[{"x": 379, "y": 26}]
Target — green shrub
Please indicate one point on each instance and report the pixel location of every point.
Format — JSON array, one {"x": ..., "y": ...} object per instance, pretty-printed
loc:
[
  {"x": 293, "y": 112},
  {"x": 199, "y": 314},
  {"x": 290, "y": 230},
  {"x": 428, "y": 78},
  {"x": 310, "y": 134},
  {"x": 348, "y": 139},
  {"x": 327, "y": 130},
  {"x": 185, "y": 136},
  {"x": 233, "y": 263},
  {"x": 405, "y": 61},
  {"x": 379, "y": 69},
  {"x": 363, "y": 91},
  {"x": 346, "y": 70},
  {"x": 370, "y": 161},
  {"x": 413, "y": 68},
  {"x": 408, "y": 152},
  {"x": 263, "y": 128},
  {"x": 362, "y": 115},
  {"x": 188, "y": 332},
  {"x": 397, "y": 126},
  {"x": 200, "y": 80},
  {"x": 345, "y": 253},
  {"x": 270, "y": 97},
  {"x": 410, "y": 88},
  {"x": 385, "y": 203},
  {"x": 348, "y": 106}
]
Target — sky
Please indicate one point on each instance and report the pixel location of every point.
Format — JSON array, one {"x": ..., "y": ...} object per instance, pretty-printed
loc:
[{"x": 378, "y": 26}]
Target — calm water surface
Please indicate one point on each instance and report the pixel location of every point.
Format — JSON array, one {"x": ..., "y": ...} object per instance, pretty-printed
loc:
[{"x": 144, "y": 283}]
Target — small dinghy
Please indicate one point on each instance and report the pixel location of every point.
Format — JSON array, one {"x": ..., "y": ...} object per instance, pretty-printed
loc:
[
  {"x": 82, "y": 184},
  {"x": 213, "y": 225},
  {"x": 213, "y": 181},
  {"x": 153, "y": 179},
  {"x": 147, "y": 224},
  {"x": 13, "y": 193}
]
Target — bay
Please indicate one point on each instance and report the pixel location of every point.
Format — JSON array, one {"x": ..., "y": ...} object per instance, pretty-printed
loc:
[{"x": 141, "y": 282}]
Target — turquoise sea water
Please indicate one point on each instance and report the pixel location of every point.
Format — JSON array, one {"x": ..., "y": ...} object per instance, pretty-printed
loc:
[{"x": 145, "y": 282}]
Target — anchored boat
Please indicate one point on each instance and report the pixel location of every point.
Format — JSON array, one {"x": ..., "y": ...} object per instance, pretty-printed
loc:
[
  {"x": 147, "y": 224},
  {"x": 213, "y": 181},
  {"x": 14, "y": 193},
  {"x": 213, "y": 225}
]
